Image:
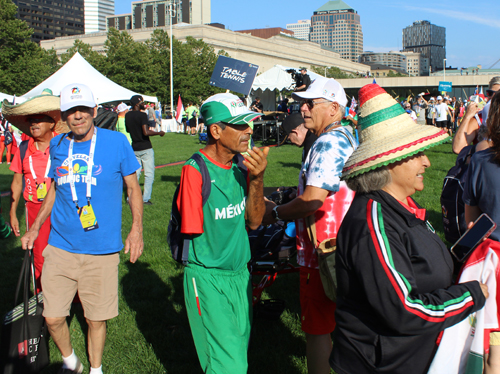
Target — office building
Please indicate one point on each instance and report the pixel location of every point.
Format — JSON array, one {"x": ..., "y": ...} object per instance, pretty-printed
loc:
[
  {"x": 52, "y": 18},
  {"x": 337, "y": 25},
  {"x": 301, "y": 29},
  {"x": 158, "y": 13},
  {"x": 428, "y": 40},
  {"x": 411, "y": 63},
  {"x": 96, "y": 12}
]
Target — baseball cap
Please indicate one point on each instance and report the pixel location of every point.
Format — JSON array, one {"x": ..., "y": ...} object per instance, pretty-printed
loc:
[
  {"x": 136, "y": 99},
  {"x": 291, "y": 122},
  {"x": 227, "y": 108},
  {"x": 439, "y": 98},
  {"x": 122, "y": 107},
  {"x": 432, "y": 99},
  {"x": 325, "y": 88},
  {"x": 76, "y": 94}
]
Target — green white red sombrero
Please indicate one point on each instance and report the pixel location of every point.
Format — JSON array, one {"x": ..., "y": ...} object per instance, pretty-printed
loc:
[{"x": 387, "y": 133}]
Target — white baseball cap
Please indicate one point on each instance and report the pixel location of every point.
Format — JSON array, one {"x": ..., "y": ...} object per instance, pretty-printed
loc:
[
  {"x": 325, "y": 88},
  {"x": 76, "y": 94},
  {"x": 432, "y": 99},
  {"x": 439, "y": 98},
  {"x": 122, "y": 107}
]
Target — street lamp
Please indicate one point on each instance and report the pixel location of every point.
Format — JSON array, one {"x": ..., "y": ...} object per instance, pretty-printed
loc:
[
  {"x": 444, "y": 69},
  {"x": 172, "y": 14}
]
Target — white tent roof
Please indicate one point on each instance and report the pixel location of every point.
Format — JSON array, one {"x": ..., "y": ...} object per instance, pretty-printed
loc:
[
  {"x": 78, "y": 70},
  {"x": 277, "y": 78},
  {"x": 5, "y": 96}
]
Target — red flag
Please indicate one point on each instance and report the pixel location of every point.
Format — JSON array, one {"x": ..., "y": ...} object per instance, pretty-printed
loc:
[{"x": 179, "y": 111}]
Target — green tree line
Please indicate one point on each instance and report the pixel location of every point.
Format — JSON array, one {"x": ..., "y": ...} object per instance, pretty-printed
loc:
[{"x": 140, "y": 67}]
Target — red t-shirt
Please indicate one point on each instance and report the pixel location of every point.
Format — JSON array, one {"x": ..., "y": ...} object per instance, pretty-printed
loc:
[
  {"x": 413, "y": 208},
  {"x": 39, "y": 160}
]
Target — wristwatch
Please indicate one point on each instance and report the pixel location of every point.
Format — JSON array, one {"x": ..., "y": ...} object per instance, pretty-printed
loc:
[{"x": 275, "y": 213}]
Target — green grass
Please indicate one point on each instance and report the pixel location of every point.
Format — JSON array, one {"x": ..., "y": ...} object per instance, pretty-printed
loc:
[{"x": 151, "y": 334}]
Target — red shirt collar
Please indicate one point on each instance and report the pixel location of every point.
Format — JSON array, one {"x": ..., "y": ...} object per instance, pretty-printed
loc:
[{"x": 413, "y": 208}]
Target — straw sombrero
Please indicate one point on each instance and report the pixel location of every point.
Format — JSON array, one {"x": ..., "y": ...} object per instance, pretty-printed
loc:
[
  {"x": 387, "y": 133},
  {"x": 46, "y": 103}
]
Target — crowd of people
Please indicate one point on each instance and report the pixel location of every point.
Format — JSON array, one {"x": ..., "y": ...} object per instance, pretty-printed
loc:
[{"x": 376, "y": 281}]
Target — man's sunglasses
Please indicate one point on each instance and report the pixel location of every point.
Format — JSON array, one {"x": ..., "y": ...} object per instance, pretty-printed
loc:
[{"x": 311, "y": 103}]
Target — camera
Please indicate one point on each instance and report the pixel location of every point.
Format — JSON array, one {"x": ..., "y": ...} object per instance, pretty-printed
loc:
[{"x": 297, "y": 77}]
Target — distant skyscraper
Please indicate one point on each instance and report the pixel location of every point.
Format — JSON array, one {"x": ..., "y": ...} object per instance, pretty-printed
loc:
[
  {"x": 52, "y": 18},
  {"x": 427, "y": 39},
  {"x": 155, "y": 13},
  {"x": 337, "y": 25},
  {"x": 96, "y": 12},
  {"x": 301, "y": 29}
]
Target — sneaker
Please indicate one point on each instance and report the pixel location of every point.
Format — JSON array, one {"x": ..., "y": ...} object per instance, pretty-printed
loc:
[
  {"x": 78, "y": 370},
  {"x": 148, "y": 202}
]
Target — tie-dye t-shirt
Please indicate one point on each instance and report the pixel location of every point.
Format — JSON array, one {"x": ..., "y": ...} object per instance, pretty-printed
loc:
[{"x": 323, "y": 168}]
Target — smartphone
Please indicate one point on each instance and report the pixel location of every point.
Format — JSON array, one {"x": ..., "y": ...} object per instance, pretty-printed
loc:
[{"x": 464, "y": 246}]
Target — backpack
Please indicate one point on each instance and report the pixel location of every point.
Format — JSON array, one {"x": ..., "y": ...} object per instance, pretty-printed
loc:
[
  {"x": 106, "y": 119},
  {"x": 452, "y": 205},
  {"x": 177, "y": 241}
]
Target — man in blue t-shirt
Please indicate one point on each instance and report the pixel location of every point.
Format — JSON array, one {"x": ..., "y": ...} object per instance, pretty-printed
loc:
[{"x": 88, "y": 168}]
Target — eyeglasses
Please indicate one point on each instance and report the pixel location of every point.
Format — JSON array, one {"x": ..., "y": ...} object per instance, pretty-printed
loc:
[
  {"x": 490, "y": 93},
  {"x": 311, "y": 103}
]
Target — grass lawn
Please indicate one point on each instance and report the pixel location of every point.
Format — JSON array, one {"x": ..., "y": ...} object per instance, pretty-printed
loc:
[{"x": 151, "y": 334}]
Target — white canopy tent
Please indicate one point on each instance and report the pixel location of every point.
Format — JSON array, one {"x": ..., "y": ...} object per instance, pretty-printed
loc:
[
  {"x": 78, "y": 70},
  {"x": 9, "y": 98},
  {"x": 276, "y": 78}
]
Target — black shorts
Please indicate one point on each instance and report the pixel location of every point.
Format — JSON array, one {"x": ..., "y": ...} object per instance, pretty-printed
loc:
[
  {"x": 449, "y": 125},
  {"x": 441, "y": 124},
  {"x": 429, "y": 121}
]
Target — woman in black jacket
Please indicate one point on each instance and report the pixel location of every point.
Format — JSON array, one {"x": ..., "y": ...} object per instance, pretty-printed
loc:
[{"x": 395, "y": 292}]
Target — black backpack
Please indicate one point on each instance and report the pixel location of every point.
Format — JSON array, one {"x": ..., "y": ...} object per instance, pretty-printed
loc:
[
  {"x": 452, "y": 205},
  {"x": 106, "y": 119},
  {"x": 177, "y": 241}
]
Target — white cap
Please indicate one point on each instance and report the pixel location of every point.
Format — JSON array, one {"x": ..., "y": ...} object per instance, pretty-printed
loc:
[
  {"x": 440, "y": 98},
  {"x": 432, "y": 99},
  {"x": 122, "y": 107},
  {"x": 325, "y": 88},
  {"x": 76, "y": 94}
]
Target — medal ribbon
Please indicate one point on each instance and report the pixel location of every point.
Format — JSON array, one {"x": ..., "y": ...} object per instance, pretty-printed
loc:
[{"x": 90, "y": 165}]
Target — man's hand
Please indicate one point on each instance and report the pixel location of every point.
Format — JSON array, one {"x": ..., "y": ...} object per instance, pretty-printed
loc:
[
  {"x": 472, "y": 110},
  {"x": 134, "y": 244},
  {"x": 268, "y": 216},
  {"x": 162, "y": 133},
  {"x": 14, "y": 224},
  {"x": 256, "y": 162},
  {"x": 28, "y": 239}
]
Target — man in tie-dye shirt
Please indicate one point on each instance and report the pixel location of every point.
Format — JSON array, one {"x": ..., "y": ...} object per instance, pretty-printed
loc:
[{"x": 323, "y": 196}]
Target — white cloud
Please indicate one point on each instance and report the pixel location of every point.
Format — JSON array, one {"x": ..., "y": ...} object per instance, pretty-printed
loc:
[{"x": 463, "y": 16}]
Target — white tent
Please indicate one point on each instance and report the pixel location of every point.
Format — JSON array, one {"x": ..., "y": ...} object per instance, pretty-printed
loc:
[
  {"x": 5, "y": 96},
  {"x": 276, "y": 78},
  {"x": 78, "y": 70}
]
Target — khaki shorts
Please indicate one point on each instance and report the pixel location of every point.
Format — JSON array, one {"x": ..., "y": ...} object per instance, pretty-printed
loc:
[{"x": 95, "y": 277}]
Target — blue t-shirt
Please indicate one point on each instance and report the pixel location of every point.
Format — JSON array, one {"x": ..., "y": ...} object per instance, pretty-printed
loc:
[
  {"x": 481, "y": 187},
  {"x": 113, "y": 160}
]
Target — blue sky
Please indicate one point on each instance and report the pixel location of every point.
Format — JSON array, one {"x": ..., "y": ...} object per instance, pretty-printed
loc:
[{"x": 472, "y": 27}]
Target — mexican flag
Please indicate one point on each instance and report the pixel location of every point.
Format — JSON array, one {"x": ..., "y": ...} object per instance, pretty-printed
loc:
[{"x": 179, "y": 110}]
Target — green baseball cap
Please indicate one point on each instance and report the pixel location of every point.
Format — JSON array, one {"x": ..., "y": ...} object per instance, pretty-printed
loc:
[{"x": 227, "y": 108}]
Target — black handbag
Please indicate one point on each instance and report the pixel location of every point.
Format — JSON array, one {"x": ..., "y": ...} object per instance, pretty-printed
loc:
[
  {"x": 24, "y": 342},
  {"x": 8, "y": 138}
]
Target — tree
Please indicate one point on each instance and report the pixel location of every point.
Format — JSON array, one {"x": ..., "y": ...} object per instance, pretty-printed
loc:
[
  {"x": 22, "y": 62},
  {"x": 331, "y": 72},
  {"x": 392, "y": 74},
  {"x": 94, "y": 58}
]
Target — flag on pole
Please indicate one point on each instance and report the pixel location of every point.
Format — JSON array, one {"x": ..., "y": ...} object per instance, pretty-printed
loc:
[
  {"x": 481, "y": 94},
  {"x": 475, "y": 91},
  {"x": 179, "y": 110},
  {"x": 374, "y": 81},
  {"x": 352, "y": 108}
]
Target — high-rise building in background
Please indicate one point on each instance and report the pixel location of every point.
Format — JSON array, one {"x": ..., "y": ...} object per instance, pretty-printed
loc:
[
  {"x": 155, "y": 13},
  {"x": 52, "y": 18},
  {"x": 301, "y": 29},
  {"x": 412, "y": 63},
  {"x": 427, "y": 39},
  {"x": 96, "y": 12},
  {"x": 337, "y": 25}
]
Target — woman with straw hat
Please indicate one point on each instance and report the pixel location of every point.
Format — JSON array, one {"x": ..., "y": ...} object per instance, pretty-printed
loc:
[
  {"x": 394, "y": 273},
  {"x": 40, "y": 118}
]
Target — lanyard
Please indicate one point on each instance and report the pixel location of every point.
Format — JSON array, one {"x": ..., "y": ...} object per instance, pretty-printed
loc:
[
  {"x": 90, "y": 166},
  {"x": 33, "y": 170},
  {"x": 329, "y": 127}
]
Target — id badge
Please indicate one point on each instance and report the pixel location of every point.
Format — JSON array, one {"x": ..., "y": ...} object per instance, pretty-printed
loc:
[
  {"x": 41, "y": 191},
  {"x": 87, "y": 218}
]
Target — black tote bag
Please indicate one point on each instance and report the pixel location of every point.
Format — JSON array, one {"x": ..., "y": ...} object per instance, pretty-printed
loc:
[{"x": 24, "y": 341}]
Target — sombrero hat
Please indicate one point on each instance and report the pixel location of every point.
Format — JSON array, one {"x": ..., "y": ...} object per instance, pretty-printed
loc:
[
  {"x": 388, "y": 134},
  {"x": 45, "y": 104}
]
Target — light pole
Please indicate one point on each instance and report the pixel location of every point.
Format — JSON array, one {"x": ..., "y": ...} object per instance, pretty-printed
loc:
[
  {"x": 444, "y": 69},
  {"x": 172, "y": 14}
]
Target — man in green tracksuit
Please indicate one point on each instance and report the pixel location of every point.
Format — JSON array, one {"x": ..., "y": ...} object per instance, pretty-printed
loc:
[{"x": 217, "y": 288}]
